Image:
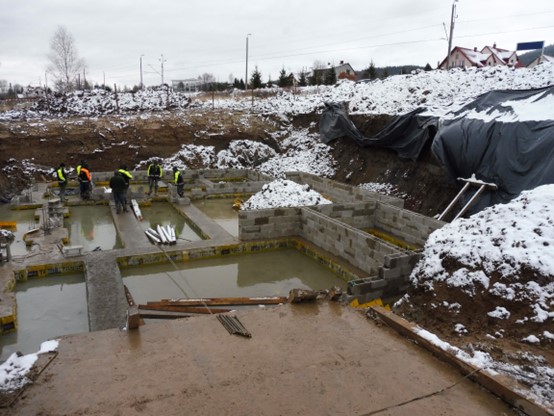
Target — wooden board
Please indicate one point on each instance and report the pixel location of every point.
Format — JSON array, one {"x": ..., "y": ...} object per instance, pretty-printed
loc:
[{"x": 220, "y": 301}]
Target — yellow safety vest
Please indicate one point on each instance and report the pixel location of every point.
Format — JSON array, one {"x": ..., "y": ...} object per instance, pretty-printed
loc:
[{"x": 61, "y": 178}]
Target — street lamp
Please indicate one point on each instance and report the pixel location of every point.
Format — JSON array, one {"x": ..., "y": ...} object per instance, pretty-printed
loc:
[
  {"x": 246, "y": 77},
  {"x": 162, "y": 60},
  {"x": 452, "y": 19},
  {"x": 141, "y": 84}
]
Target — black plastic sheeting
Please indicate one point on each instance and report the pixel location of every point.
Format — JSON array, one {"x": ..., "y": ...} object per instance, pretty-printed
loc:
[
  {"x": 516, "y": 156},
  {"x": 405, "y": 134}
]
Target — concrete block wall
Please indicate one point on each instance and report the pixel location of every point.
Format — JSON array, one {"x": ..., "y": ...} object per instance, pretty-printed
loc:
[
  {"x": 269, "y": 223},
  {"x": 359, "y": 248},
  {"x": 356, "y": 214},
  {"x": 408, "y": 226},
  {"x": 340, "y": 192}
]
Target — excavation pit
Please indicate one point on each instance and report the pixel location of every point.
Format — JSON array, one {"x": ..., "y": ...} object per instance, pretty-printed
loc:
[
  {"x": 24, "y": 221},
  {"x": 46, "y": 308},
  {"x": 221, "y": 211},
  {"x": 163, "y": 213},
  {"x": 272, "y": 273},
  {"x": 92, "y": 227}
]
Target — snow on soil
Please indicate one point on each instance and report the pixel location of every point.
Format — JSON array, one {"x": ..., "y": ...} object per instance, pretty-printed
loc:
[
  {"x": 284, "y": 193},
  {"x": 13, "y": 372},
  {"x": 439, "y": 92},
  {"x": 493, "y": 274}
]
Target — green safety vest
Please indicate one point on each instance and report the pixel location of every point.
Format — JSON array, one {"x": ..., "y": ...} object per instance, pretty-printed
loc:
[
  {"x": 125, "y": 173},
  {"x": 176, "y": 176},
  {"x": 61, "y": 177}
]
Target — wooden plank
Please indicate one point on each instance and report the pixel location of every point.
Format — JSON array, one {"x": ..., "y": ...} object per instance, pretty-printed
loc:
[
  {"x": 221, "y": 301},
  {"x": 183, "y": 309},
  {"x": 130, "y": 300},
  {"x": 133, "y": 318},
  {"x": 504, "y": 387},
  {"x": 162, "y": 315}
]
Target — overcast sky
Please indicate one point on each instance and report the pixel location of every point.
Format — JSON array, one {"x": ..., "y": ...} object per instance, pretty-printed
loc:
[{"x": 209, "y": 36}]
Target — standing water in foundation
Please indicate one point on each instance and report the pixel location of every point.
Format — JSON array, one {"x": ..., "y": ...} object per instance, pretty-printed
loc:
[
  {"x": 25, "y": 221},
  {"x": 222, "y": 212},
  {"x": 272, "y": 273},
  {"x": 92, "y": 227},
  {"x": 162, "y": 213},
  {"x": 46, "y": 308}
]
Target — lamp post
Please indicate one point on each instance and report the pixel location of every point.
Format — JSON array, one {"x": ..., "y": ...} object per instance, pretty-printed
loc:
[
  {"x": 162, "y": 60},
  {"x": 141, "y": 84},
  {"x": 246, "y": 76},
  {"x": 452, "y": 19}
]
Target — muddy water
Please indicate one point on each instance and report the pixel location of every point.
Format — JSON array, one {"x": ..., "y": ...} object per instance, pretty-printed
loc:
[
  {"x": 222, "y": 212},
  {"x": 262, "y": 274},
  {"x": 46, "y": 308},
  {"x": 163, "y": 213},
  {"x": 25, "y": 220},
  {"x": 92, "y": 227}
]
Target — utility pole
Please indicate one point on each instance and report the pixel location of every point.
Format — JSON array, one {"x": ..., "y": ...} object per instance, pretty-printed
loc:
[
  {"x": 141, "y": 84},
  {"x": 246, "y": 76},
  {"x": 162, "y": 60},
  {"x": 104, "y": 83},
  {"x": 452, "y": 20}
]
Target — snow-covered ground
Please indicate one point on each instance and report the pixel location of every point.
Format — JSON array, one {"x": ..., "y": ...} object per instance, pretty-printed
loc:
[
  {"x": 493, "y": 274},
  {"x": 13, "y": 372},
  {"x": 284, "y": 193},
  {"x": 439, "y": 92}
]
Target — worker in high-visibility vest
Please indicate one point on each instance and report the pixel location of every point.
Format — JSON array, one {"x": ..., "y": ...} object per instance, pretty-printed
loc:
[
  {"x": 178, "y": 181},
  {"x": 79, "y": 166},
  {"x": 85, "y": 181},
  {"x": 62, "y": 180},
  {"x": 127, "y": 176},
  {"x": 154, "y": 173}
]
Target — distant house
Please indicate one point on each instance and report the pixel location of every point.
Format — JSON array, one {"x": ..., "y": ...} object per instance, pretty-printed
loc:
[
  {"x": 31, "y": 92},
  {"x": 343, "y": 70},
  {"x": 539, "y": 60},
  {"x": 488, "y": 56},
  {"x": 190, "y": 84}
]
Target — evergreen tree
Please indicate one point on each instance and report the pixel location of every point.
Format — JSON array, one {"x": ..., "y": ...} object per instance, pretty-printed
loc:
[
  {"x": 385, "y": 73},
  {"x": 236, "y": 83},
  {"x": 303, "y": 81},
  {"x": 242, "y": 86},
  {"x": 256, "y": 79},
  {"x": 371, "y": 71},
  {"x": 428, "y": 67},
  {"x": 283, "y": 79},
  {"x": 330, "y": 76}
]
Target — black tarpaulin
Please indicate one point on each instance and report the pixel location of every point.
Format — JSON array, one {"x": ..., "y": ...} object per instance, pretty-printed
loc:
[
  {"x": 516, "y": 156},
  {"x": 405, "y": 134}
]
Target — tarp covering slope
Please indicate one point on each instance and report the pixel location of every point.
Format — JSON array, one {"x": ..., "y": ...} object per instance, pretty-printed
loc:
[
  {"x": 516, "y": 156},
  {"x": 405, "y": 134},
  {"x": 504, "y": 137}
]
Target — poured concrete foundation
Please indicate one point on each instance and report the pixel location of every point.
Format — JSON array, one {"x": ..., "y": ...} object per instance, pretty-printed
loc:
[{"x": 335, "y": 235}]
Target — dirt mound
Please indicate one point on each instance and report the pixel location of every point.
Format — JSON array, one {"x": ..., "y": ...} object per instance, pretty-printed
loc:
[{"x": 486, "y": 284}]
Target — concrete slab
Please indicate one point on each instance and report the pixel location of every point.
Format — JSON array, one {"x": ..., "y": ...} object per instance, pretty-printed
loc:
[
  {"x": 301, "y": 360},
  {"x": 107, "y": 304}
]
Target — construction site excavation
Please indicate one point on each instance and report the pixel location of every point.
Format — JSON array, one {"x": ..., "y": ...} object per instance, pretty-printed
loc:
[{"x": 363, "y": 248}]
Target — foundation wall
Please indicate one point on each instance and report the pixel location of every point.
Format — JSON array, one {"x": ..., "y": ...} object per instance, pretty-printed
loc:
[
  {"x": 406, "y": 225},
  {"x": 269, "y": 223},
  {"x": 359, "y": 248},
  {"x": 340, "y": 192},
  {"x": 358, "y": 215}
]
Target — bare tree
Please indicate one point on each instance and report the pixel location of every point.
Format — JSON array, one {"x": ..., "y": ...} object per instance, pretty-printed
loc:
[{"x": 65, "y": 64}]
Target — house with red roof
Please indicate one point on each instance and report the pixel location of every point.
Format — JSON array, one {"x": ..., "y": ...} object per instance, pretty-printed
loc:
[{"x": 488, "y": 56}]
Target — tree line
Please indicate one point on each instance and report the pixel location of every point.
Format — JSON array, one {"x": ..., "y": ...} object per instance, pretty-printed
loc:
[{"x": 65, "y": 68}]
